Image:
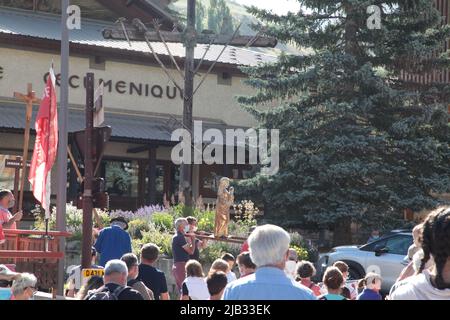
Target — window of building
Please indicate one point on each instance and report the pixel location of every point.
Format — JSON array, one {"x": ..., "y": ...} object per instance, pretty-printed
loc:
[
  {"x": 159, "y": 183},
  {"x": 121, "y": 178},
  {"x": 224, "y": 78},
  {"x": 174, "y": 180},
  {"x": 97, "y": 63}
]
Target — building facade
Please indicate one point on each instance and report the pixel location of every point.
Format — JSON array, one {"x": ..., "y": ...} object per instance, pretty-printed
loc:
[{"x": 141, "y": 104}]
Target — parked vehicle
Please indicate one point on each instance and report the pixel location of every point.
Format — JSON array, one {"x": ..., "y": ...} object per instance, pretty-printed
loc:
[{"x": 385, "y": 256}]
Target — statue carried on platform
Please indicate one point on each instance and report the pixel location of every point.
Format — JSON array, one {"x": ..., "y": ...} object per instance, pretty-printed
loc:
[{"x": 225, "y": 199}]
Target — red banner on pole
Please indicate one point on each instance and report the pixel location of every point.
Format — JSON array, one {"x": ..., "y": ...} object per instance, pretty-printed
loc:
[{"x": 45, "y": 147}]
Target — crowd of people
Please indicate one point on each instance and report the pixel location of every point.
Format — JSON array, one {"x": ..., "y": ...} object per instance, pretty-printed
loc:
[{"x": 267, "y": 268}]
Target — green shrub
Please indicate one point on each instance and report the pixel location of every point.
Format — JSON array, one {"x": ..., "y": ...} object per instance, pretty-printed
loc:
[
  {"x": 163, "y": 221},
  {"x": 206, "y": 221},
  {"x": 215, "y": 249},
  {"x": 177, "y": 211},
  {"x": 240, "y": 228},
  {"x": 137, "y": 227},
  {"x": 302, "y": 252},
  {"x": 162, "y": 239},
  {"x": 136, "y": 246},
  {"x": 299, "y": 241}
]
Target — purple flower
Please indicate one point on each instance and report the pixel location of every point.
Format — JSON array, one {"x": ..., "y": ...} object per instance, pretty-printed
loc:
[{"x": 144, "y": 213}]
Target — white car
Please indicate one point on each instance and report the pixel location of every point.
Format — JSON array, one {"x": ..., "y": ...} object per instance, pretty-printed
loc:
[{"x": 385, "y": 256}]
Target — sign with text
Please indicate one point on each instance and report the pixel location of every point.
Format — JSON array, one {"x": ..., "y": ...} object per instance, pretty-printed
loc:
[
  {"x": 86, "y": 274},
  {"x": 11, "y": 163}
]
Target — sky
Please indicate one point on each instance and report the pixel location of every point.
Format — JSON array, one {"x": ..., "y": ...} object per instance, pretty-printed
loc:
[{"x": 277, "y": 6}]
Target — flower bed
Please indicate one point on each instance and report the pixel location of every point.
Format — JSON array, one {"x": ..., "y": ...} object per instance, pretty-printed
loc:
[{"x": 154, "y": 224}]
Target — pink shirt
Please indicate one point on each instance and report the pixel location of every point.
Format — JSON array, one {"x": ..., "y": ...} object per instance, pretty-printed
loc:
[
  {"x": 5, "y": 216},
  {"x": 311, "y": 285},
  {"x": 244, "y": 246},
  {"x": 2, "y": 235}
]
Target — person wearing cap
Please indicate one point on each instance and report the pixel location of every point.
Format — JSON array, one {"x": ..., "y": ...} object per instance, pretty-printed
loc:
[
  {"x": 74, "y": 282},
  {"x": 372, "y": 287},
  {"x": 113, "y": 242}
]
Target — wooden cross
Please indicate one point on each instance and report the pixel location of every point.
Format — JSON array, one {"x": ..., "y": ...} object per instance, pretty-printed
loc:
[{"x": 29, "y": 99}]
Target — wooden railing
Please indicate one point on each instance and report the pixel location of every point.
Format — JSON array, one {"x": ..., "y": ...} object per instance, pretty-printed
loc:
[{"x": 19, "y": 246}]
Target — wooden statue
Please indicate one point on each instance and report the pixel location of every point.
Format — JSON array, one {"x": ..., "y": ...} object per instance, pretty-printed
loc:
[{"x": 225, "y": 199}]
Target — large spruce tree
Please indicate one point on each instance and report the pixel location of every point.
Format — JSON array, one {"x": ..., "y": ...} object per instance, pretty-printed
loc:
[{"x": 358, "y": 142}]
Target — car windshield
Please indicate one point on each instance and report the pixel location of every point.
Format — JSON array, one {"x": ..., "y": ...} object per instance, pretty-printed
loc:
[{"x": 396, "y": 244}]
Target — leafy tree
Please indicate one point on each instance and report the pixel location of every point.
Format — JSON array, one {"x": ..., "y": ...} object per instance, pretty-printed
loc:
[
  {"x": 219, "y": 17},
  {"x": 199, "y": 16},
  {"x": 212, "y": 15},
  {"x": 359, "y": 141},
  {"x": 227, "y": 22}
]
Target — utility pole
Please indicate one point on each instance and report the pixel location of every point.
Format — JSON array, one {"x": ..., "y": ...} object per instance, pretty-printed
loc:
[
  {"x": 88, "y": 175},
  {"x": 61, "y": 198},
  {"x": 190, "y": 43}
]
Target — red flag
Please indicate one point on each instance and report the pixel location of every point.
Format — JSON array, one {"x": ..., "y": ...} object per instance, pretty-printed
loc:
[{"x": 45, "y": 146}]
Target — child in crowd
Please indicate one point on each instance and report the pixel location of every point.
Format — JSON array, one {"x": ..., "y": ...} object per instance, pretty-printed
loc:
[
  {"x": 229, "y": 258},
  {"x": 372, "y": 286},
  {"x": 348, "y": 290},
  {"x": 306, "y": 270},
  {"x": 333, "y": 281},
  {"x": 216, "y": 282},
  {"x": 245, "y": 264}
]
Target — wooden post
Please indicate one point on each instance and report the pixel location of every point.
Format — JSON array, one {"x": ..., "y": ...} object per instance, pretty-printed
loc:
[
  {"x": 88, "y": 175},
  {"x": 152, "y": 176},
  {"x": 16, "y": 184},
  {"x": 29, "y": 99}
]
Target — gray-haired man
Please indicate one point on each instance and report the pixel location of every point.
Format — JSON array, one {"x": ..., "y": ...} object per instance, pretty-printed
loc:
[{"x": 181, "y": 250}]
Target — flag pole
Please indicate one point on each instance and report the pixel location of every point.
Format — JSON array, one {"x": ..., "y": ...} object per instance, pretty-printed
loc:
[{"x": 62, "y": 147}]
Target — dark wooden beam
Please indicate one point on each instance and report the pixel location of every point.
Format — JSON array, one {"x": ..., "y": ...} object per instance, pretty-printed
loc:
[
  {"x": 151, "y": 176},
  {"x": 142, "y": 148}
]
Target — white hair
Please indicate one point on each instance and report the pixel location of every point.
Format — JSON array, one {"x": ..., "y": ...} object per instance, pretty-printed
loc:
[
  {"x": 268, "y": 245},
  {"x": 115, "y": 266},
  {"x": 22, "y": 282},
  {"x": 179, "y": 222}
]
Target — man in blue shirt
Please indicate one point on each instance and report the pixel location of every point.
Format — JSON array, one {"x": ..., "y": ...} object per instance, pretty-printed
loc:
[
  {"x": 269, "y": 247},
  {"x": 113, "y": 242}
]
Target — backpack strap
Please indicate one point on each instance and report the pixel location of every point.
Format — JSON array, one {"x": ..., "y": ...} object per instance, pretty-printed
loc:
[
  {"x": 91, "y": 293},
  {"x": 116, "y": 293}
]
